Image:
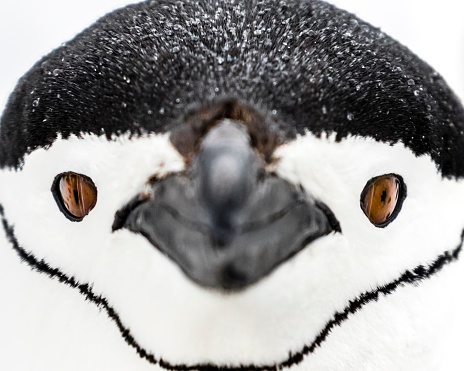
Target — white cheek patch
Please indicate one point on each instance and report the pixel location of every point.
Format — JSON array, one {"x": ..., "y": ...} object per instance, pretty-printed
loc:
[
  {"x": 118, "y": 168},
  {"x": 171, "y": 318},
  {"x": 430, "y": 221}
]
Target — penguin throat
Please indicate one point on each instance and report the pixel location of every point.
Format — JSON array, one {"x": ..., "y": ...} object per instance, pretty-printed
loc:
[{"x": 408, "y": 277}]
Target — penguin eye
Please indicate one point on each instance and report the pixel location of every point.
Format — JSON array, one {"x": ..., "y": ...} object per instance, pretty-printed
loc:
[
  {"x": 382, "y": 198},
  {"x": 75, "y": 195}
]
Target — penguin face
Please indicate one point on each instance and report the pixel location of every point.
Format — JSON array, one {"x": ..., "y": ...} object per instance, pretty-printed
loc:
[{"x": 230, "y": 198}]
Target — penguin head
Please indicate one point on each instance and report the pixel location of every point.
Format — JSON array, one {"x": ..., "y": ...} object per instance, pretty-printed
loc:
[{"x": 231, "y": 183}]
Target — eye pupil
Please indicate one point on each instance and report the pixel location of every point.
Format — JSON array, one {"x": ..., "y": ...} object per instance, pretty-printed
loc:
[
  {"x": 75, "y": 194},
  {"x": 381, "y": 199},
  {"x": 384, "y": 196}
]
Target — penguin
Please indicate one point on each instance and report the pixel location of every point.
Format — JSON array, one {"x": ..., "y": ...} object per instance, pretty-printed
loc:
[{"x": 259, "y": 185}]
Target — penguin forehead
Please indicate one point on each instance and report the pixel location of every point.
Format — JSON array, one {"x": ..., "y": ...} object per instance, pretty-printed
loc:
[{"x": 304, "y": 65}]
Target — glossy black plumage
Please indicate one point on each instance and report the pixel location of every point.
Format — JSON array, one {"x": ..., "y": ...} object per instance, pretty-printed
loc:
[{"x": 302, "y": 64}]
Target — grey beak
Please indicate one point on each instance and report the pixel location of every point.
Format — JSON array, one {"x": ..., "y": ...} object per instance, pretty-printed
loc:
[{"x": 227, "y": 222}]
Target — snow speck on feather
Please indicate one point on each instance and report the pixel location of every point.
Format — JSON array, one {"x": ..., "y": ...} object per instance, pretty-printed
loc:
[{"x": 30, "y": 29}]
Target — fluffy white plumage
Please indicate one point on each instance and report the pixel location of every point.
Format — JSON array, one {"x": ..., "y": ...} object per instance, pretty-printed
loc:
[{"x": 409, "y": 329}]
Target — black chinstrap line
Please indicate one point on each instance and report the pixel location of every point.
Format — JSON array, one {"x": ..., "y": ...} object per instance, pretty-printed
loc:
[{"x": 413, "y": 276}]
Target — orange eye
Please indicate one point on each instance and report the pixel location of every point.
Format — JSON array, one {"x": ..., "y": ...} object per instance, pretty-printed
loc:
[
  {"x": 382, "y": 198},
  {"x": 75, "y": 194}
]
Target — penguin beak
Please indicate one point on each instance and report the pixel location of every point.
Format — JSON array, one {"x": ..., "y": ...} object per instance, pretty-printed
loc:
[{"x": 225, "y": 221}]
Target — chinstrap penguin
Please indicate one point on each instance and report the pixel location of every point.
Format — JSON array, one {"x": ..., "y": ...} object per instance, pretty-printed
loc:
[{"x": 234, "y": 185}]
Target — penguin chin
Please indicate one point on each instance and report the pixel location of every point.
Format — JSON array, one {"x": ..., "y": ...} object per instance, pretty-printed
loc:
[{"x": 258, "y": 326}]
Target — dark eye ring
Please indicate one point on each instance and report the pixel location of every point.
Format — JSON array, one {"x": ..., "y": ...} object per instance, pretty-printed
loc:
[
  {"x": 382, "y": 199},
  {"x": 75, "y": 195}
]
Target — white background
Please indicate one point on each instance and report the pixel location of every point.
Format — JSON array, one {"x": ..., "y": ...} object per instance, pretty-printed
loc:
[{"x": 31, "y": 28}]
